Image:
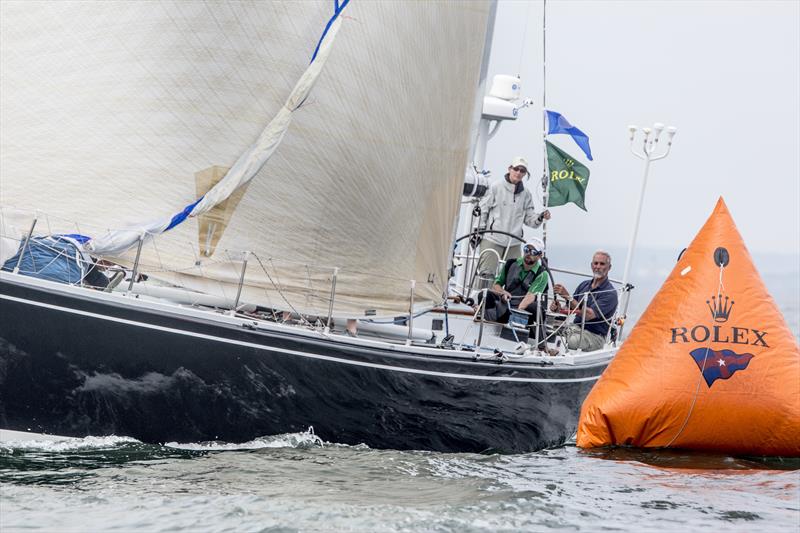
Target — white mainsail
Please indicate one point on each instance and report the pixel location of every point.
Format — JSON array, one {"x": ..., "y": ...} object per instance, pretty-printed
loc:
[{"x": 111, "y": 112}]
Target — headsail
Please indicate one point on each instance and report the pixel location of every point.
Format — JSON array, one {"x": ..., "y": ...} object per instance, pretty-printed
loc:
[{"x": 110, "y": 116}]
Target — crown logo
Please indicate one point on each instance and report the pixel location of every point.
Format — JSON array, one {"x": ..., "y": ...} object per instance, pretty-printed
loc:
[{"x": 720, "y": 307}]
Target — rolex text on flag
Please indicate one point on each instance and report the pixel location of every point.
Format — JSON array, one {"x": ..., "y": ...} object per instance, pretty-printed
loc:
[{"x": 568, "y": 178}]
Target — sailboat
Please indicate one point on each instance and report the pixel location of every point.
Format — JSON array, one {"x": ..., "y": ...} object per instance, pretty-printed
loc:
[{"x": 249, "y": 177}]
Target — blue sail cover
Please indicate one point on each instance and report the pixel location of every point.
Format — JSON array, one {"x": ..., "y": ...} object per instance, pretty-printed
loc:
[{"x": 54, "y": 258}]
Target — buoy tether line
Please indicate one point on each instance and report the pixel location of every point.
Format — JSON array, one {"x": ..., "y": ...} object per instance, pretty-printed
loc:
[{"x": 701, "y": 378}]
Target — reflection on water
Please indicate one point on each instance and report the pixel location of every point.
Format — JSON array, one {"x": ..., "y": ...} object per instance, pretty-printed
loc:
[
  {"x": 297, "y": 483},
  {"x": 692, "y": 461}
]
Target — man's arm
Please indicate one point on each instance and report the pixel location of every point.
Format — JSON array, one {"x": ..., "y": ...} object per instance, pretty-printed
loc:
[
  {"x": 527, "y": 300},
  {"x": 562, "y": 291},
  {"x": 602, "y": 307},
  {"x": 499, "y": 283},
  {"x": 487, "y": 204},
  {"x": 532, "y": 218},
  {"x": 576, "y": 301},
  {"x": 537, "y": 287},
  {"x": 582, "y": 301},
  {"x": 499, "y": 290}
]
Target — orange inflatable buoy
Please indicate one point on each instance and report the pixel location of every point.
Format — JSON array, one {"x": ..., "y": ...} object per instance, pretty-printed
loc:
[{"x": 711, "y": 365}]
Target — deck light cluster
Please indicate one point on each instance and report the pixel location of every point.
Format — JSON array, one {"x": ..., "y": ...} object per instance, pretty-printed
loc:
[
  {"x": 650, "y": 140},
  {"x": 649, "y": 147}
]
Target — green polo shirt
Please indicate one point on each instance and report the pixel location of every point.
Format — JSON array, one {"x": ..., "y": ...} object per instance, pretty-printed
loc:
[{"x": 539, "y": 276}]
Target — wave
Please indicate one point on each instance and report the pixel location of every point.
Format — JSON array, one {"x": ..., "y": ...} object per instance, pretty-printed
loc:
[
  {"x": 49, "y": 443},
  {"x": 306, "y": 439},
  {"x": 11, "y": 441}
]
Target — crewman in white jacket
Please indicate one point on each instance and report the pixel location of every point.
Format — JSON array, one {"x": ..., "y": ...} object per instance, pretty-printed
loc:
[{"x": 507, "y": 206}]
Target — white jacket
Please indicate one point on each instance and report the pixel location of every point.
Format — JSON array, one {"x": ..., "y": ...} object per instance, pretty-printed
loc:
[{"x": 503, "y": 210}]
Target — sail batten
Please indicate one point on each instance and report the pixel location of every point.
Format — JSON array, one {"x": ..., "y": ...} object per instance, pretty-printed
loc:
[{"x": 367, "y": 177}]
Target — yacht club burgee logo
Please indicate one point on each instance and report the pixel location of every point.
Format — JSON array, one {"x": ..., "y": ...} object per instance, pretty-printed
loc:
[{"x": 719, "y": 363}]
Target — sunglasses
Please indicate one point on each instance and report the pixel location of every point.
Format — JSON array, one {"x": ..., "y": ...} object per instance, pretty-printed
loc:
[
  {"x": 520, "y": 169},
  {"x": 599, "y": 263},
  {"x": 530, "y": 250}
]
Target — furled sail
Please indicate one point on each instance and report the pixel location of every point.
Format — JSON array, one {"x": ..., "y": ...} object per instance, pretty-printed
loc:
[{"x": 111, "y": 111}]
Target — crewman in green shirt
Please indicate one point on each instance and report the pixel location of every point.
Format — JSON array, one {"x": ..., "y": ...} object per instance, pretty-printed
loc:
[{"x": 518, "y": 283}]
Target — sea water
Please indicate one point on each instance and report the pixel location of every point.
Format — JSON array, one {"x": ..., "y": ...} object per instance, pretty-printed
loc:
[{"x": 298, "y": 482}]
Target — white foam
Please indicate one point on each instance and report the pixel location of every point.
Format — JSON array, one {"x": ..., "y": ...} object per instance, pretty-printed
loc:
[
  {"x": 286, "y": 440},
  {"x": 54, "y": 443}
]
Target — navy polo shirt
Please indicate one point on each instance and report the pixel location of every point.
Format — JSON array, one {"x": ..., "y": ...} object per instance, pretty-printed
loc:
[{"x": 602, "y": 300}]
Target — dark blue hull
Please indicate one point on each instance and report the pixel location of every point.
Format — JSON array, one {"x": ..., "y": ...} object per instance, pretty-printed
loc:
[{"x": 76, "y": 365}]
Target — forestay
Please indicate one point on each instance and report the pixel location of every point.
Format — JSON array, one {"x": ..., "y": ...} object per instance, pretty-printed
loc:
[{"x": 116, "y": 113}]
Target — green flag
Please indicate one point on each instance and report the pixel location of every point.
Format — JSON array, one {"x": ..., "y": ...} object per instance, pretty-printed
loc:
[{"x": 568, "y": 178}]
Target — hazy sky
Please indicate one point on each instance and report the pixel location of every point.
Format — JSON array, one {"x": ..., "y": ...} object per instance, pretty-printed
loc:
[{"x": 726, "y": 73}]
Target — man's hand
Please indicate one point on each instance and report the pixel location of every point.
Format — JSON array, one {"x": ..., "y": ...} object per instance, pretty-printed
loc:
[
  {"x": 544, "y": 215},
  {"x": 561, "y": 291},
  {"x": 504, "y": 295}
]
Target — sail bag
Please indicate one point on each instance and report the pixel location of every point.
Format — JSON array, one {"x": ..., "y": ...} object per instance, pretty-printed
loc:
[{"x": 711, "y": 365}]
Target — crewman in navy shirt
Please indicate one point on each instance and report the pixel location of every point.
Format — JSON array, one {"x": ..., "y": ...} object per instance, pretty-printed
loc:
[{"x": 598, "y": 308}]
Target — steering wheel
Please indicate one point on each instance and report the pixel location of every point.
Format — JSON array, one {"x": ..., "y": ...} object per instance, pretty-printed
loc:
[{"x": 542, "y": 260}]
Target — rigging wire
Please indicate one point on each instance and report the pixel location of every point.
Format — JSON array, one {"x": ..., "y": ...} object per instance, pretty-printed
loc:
[
  {"x": 280, "y": 291},
  {"x": 524, "y": 39}
]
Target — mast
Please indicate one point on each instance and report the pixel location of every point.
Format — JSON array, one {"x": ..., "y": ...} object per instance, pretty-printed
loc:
[{"x": 545, "y": 181}]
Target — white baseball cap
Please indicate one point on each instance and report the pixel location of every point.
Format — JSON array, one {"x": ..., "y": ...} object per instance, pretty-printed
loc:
[
  {"x": 519, "y": 161},
  {"x": 535, "y": 243}
]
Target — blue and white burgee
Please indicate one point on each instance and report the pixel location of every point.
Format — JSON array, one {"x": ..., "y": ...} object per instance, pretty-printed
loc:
[{"x": 556, "y": 123}]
